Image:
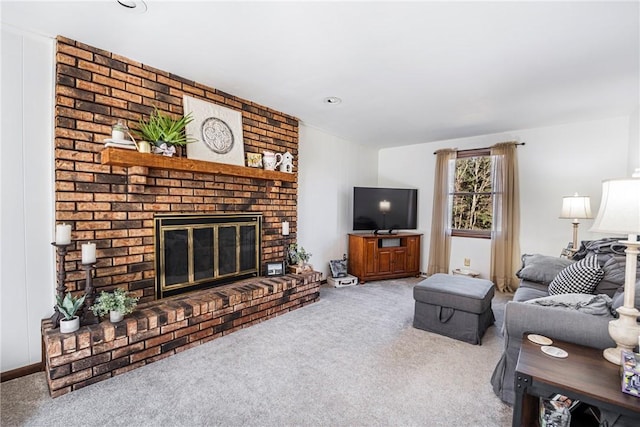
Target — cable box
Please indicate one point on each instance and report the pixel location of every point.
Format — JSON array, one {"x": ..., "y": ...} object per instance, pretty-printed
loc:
[{"x": 341, "y": 282}]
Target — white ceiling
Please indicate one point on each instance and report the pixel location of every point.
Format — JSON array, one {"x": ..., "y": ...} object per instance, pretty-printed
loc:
[{"x": 407, "y": 72}]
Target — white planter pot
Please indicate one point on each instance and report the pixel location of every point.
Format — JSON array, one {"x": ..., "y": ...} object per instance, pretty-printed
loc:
[
  {"x": 67, "y": 326},
  {"x": 144, "y": 146},
  {"x": 115, "y": 316}
]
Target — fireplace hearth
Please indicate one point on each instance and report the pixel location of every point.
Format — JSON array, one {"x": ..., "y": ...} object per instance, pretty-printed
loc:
[
  {"x": 196, "y": 251},
  {"x": 159, "y": 329}
]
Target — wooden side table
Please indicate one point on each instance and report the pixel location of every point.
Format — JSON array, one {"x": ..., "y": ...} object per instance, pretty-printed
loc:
[{"x": 584, "y": 375}]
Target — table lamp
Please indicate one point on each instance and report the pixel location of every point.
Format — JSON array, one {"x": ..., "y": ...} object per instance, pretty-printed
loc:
[
  {"x": 619, "y": 213},
  {"x": 385, "y": 207},
  {"x": 576, "y": 207}
]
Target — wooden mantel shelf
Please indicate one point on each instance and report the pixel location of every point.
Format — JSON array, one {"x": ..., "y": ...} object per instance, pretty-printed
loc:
[{"x": 128, "y": 158}]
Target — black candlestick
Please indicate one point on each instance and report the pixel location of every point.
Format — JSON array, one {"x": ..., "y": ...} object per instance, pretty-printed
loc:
[
  {"x": 87, "y": 317},
  {"x": 61, "y": 276}
]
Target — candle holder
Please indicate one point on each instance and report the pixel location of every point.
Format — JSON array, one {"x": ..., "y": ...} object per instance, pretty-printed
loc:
[
  {"x": 61, "y": 276},
  {"x": 87, "y": 317}
]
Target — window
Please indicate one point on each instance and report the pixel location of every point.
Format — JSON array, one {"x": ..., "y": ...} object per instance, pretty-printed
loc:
[{"x": 472, "y": 196}]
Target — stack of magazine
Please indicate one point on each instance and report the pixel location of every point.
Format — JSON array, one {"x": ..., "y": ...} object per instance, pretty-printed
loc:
[{"x": 556, "y": 411}]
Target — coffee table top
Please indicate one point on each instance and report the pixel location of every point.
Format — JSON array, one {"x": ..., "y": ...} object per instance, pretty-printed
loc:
[{"x": 585, "y": 372}]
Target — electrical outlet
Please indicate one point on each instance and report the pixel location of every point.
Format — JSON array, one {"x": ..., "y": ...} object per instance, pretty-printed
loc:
[{"x": 467, "y": 262}]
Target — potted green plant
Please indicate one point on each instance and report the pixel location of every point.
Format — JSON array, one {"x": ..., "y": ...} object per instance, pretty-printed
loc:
[
  {"x": 117, "y": 303},
  {"x": 164, "y": 132},
  {"x": 297, "y": 258},
  {"x": 68, "y": 307}
]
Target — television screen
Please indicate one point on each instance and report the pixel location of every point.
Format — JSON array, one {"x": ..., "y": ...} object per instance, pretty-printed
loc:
[{"x": 384, "y": 208}]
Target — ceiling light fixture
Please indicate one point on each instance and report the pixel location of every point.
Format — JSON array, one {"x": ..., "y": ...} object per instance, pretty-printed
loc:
[
  {"x": 133, "y": 6},
  {"x": 333, "y": 100}
]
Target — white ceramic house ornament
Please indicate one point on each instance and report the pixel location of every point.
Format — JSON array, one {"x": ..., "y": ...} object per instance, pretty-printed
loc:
[{"x": 287, "y": 163}]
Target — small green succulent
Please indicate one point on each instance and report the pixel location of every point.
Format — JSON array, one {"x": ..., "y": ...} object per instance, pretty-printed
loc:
[{"x": 69, "y": 305}]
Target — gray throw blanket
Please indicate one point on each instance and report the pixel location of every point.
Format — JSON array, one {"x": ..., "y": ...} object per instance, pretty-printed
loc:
[{"x": 597, "y": 305}]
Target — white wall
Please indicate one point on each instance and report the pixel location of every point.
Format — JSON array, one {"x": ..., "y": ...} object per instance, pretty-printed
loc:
[
  {"x": 556, "y": 161},
  {"x": 634, "y": 142},
  {"x": 27, "y": 279},
  {"x": 478, "y": 251},
  {"x": 329, "y": 169}
]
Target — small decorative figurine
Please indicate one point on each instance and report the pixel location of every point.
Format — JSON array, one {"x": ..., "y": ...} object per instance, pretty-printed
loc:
[
  {"x": 287, "y": 163},
  {"x": 270, "y": 160}
]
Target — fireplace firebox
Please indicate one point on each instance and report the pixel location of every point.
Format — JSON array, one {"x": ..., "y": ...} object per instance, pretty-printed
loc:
[{"x": 196, "y": 251}]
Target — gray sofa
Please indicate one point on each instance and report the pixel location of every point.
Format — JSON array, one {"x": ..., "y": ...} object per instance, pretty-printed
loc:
[{"x": 522, "y": 315}]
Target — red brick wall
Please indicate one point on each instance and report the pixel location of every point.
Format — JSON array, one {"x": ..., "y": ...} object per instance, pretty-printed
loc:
[{"x": 94, "y": 88}]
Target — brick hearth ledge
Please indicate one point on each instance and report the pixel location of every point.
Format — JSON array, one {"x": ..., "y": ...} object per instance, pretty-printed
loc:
[{"x": 161, "y": 328}]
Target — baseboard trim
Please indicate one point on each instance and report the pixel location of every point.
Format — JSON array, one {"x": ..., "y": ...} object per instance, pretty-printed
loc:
[{"x": 21, "y": 372}]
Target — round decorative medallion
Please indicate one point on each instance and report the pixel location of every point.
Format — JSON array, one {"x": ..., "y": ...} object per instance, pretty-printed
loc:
[{"x": 217, "y": 135}]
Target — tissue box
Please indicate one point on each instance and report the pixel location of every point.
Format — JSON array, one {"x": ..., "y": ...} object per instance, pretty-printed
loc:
[{"x": 631, "y": 373}]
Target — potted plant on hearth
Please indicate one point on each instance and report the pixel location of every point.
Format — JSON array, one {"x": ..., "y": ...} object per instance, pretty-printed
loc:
[
  {"x": 68, "y": 307},
  {"x": 164, "y": 132},
  {"x": 117, "y": 303},
  {"x": 298, "y": 259}
]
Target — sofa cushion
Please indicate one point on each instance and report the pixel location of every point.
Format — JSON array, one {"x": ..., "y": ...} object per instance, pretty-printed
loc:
[
  {"x": 581, "y": 277},
  {"x": 607, "y": 287},
  {"x": 614, "y": 269},
  {"x": 614, "y": 272},
  {"x": 544, "y": 287},
  {"x": 618, "y": 298},
  {"x": 541, "y": 268},
  {"x": 527, "y": 293}
]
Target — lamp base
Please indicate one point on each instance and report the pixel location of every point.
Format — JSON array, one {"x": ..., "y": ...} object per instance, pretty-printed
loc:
[
  {"x": 613, "y": 355},
  {"x": 575, "y": 235},
  {"x": 624, "y": 331}
]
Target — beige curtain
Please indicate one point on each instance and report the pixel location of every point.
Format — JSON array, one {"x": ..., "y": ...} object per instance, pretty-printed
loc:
[
  {"x": 440, "y": 245},
  {"x": 505, "y": 235}
]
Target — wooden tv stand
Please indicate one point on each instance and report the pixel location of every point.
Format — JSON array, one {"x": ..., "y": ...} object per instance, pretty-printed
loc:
[{"x": 384, "y": 256}]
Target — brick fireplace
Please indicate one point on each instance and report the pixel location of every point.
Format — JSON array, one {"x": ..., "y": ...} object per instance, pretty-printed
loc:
[
  {"x": 115, "y": 203},
  {"x": 114, "y": 206}
]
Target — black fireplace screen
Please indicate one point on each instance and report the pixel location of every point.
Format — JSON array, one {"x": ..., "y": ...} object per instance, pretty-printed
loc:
[{"x": 199, "y": 251}]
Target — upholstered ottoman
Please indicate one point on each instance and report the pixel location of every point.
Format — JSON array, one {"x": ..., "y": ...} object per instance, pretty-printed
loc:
[{"x": 455, "y": 306}]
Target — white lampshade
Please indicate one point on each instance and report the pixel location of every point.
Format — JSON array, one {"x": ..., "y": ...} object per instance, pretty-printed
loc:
[
  {"x": 619, "y": 211},
  {"x": 576, "y": 207}
]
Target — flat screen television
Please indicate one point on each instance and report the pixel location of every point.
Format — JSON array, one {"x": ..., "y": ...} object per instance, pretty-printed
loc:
[{"x": 386, "y": 209}]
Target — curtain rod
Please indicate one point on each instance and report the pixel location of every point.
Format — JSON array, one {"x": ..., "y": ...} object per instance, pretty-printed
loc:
[{"x": 485, "y": 148}]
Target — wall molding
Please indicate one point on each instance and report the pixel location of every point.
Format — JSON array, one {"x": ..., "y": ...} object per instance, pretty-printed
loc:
[{"x": 21, "y": 372}]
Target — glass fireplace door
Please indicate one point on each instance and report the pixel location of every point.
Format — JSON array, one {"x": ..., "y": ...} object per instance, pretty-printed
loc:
[{"x": 195, "y": 255}]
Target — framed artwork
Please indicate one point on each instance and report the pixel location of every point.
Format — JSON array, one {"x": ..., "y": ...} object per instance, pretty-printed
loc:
[
  {"x": 254, "y": 160},
  {"x": 338, "y": 268},
  {"x": 568, "y": 251},
  {"x": 275, "y": 268},
  {"x": 218, "y": 130}
]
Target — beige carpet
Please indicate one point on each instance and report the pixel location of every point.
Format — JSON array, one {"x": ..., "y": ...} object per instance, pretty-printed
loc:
[{"x": 352, "y": 358}]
